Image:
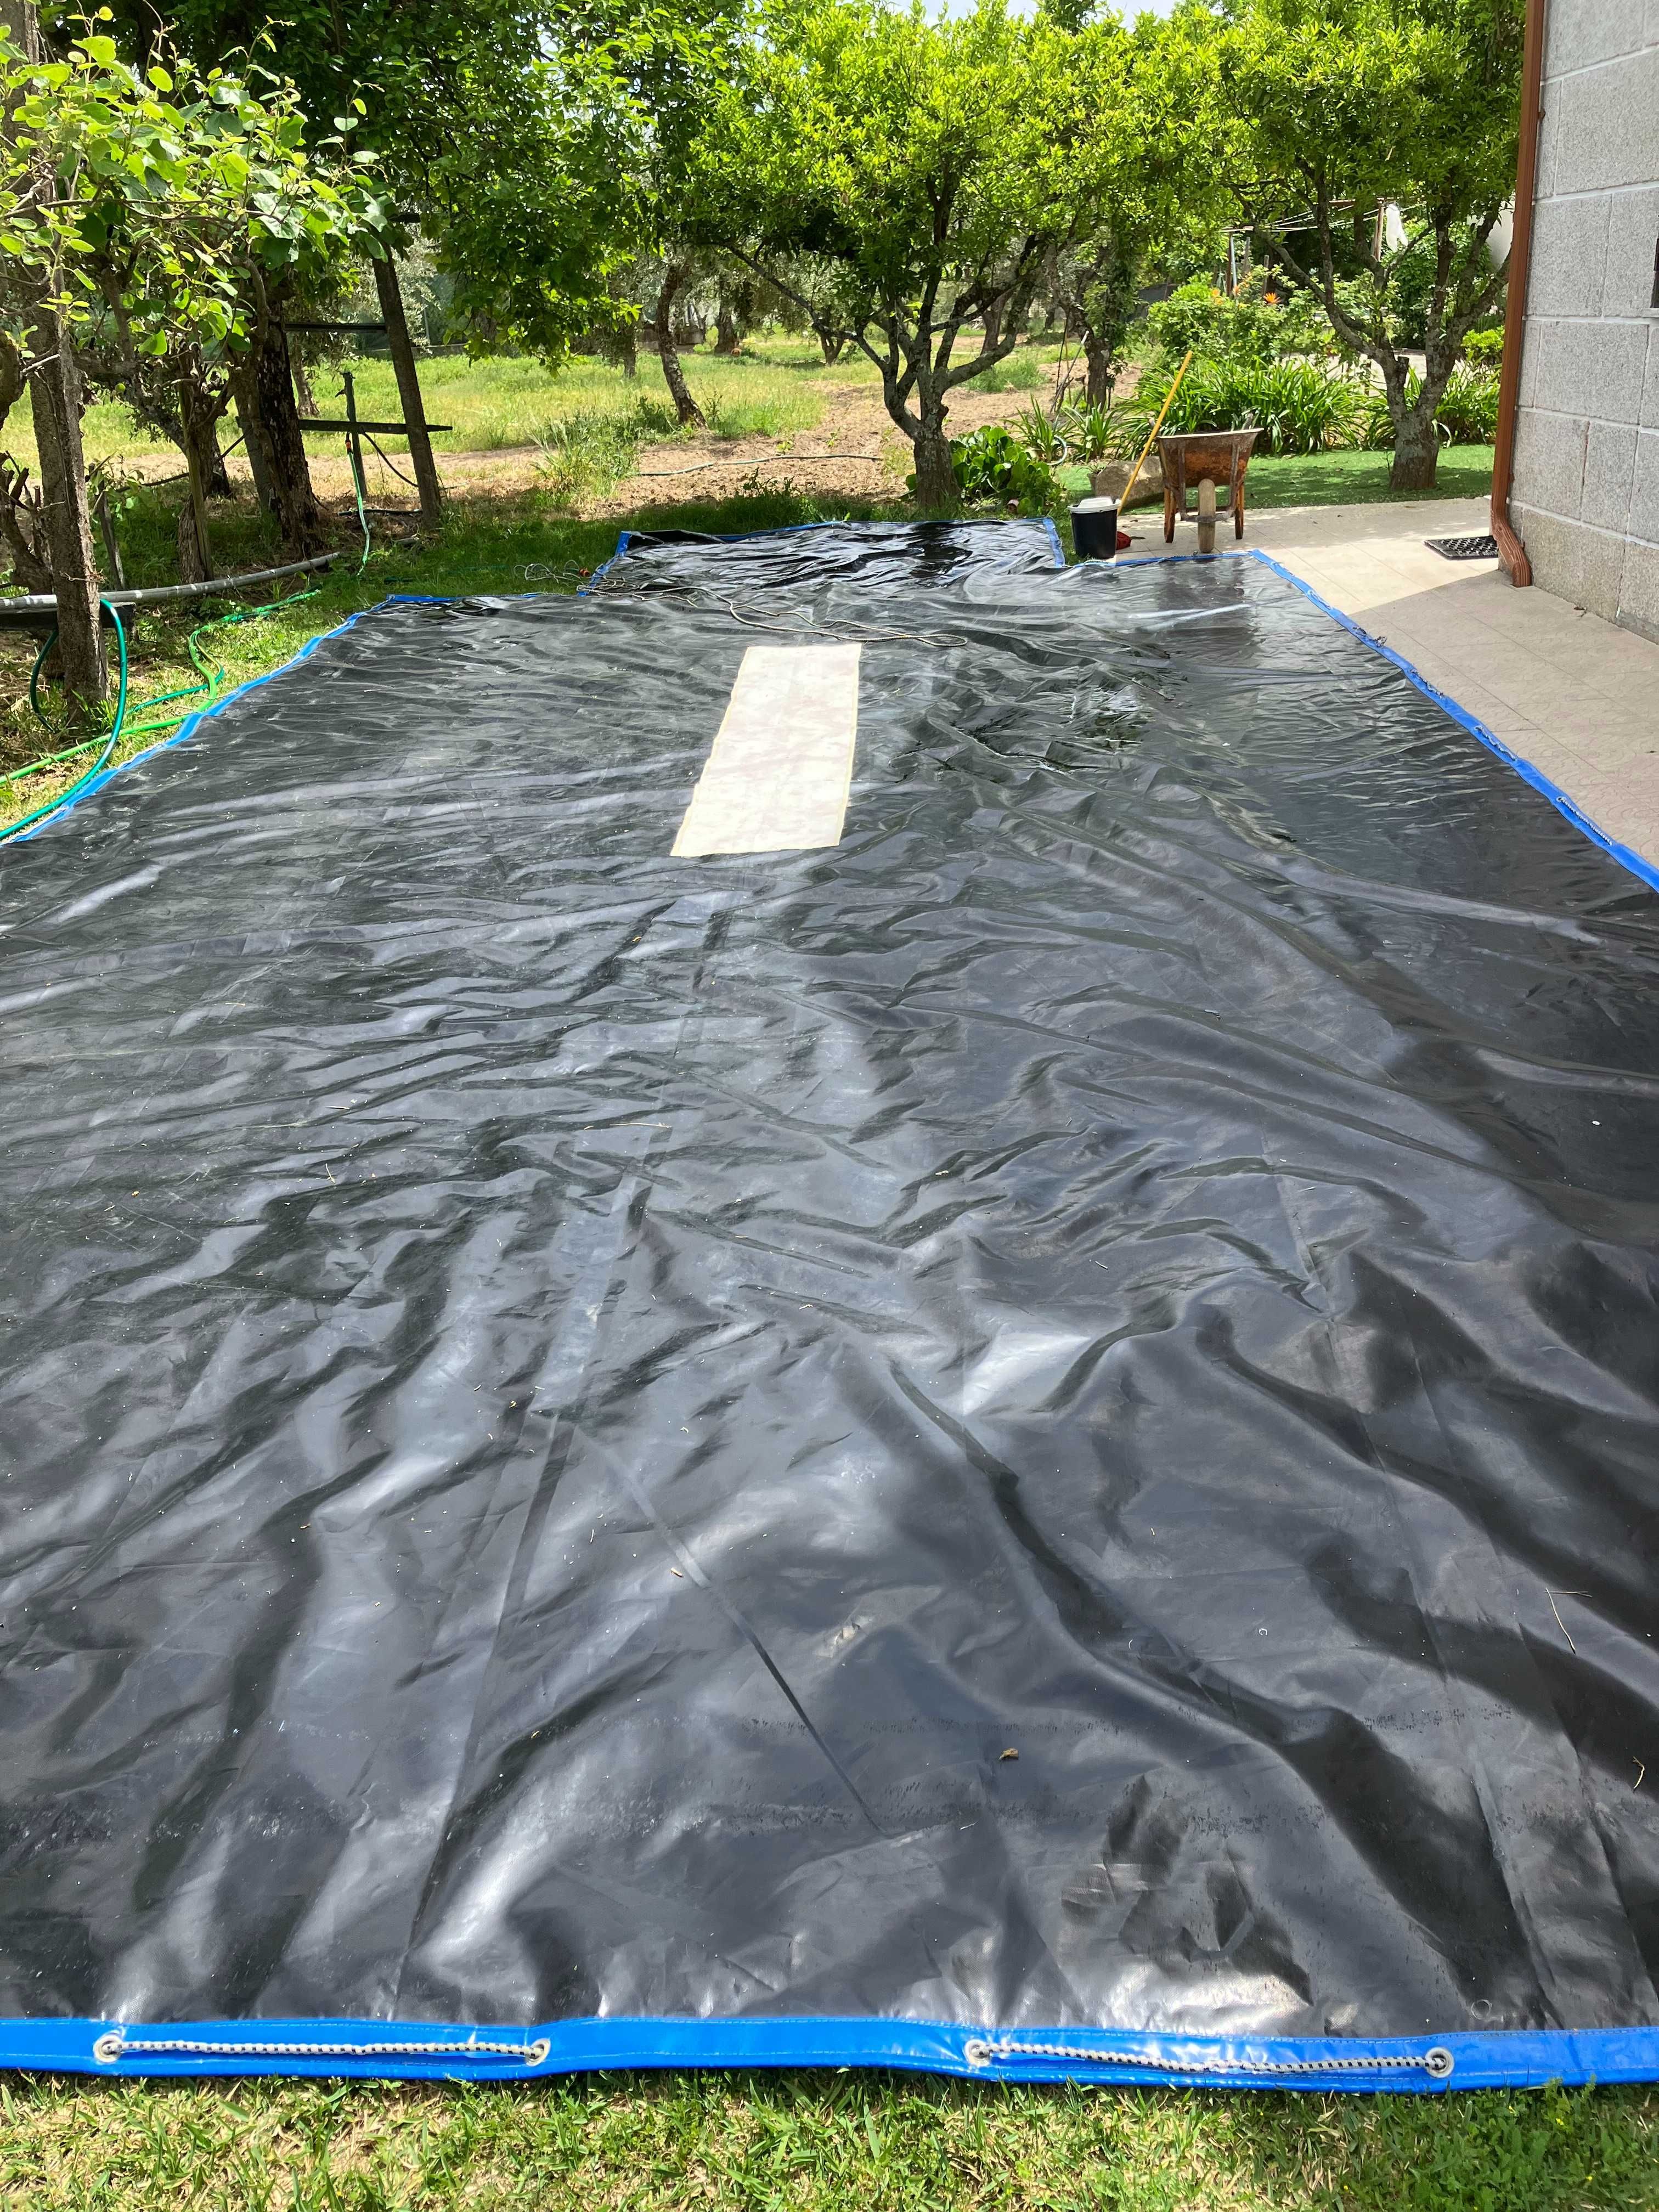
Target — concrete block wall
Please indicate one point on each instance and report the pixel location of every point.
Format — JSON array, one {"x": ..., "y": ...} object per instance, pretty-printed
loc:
[{"x": 1586, "y": 496}]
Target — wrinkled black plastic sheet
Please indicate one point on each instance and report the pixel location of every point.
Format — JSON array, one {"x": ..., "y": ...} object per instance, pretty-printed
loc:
[{"x": 1029, "y": 1445}]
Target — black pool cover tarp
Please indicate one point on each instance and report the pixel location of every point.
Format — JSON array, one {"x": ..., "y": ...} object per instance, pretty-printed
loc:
[{"x": 1029, "y": 1445}]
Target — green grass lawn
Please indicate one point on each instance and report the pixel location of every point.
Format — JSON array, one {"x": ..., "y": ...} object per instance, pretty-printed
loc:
[
  {"x": 515, "y": 401},
  {"x": 1331, "y": 479},
  {"x": 813, "y": 2142},
  {"x": 776, "y": 384}
]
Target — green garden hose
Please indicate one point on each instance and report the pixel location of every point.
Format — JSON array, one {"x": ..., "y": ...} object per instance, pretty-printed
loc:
[
  {"x": 212, "y": 680},
  {"x": 16, "y": 829}
]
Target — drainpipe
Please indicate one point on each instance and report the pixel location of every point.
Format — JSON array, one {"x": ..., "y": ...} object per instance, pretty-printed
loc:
[{"x": 1510, "y": 550}]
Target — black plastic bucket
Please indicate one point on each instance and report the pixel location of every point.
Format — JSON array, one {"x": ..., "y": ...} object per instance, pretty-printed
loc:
[{"x": 1094, "y": 529}]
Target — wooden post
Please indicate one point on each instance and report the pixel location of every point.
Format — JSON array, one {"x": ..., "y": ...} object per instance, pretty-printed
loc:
[
  {"x": 112, "y": 543},
  {"x": 1207, "y": 514},
  {"x": 354, "y": 443},
  {"x": 408, "y": 392}
]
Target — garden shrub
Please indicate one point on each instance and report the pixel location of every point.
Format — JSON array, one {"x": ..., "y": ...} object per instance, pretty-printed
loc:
[
  {"x": 1267, "y": 320},
  {"x": 1300, "y": 407},
  {"x": 1093, "y": 431},
  {"x": 994, "y": 464},
  {"x": 1467, "y": 415}
]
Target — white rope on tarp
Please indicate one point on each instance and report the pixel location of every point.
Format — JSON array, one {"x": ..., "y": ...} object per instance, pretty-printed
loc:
[
  {"x": 1436, "y": 2063},
  {"x": 115, "y": 2044}
]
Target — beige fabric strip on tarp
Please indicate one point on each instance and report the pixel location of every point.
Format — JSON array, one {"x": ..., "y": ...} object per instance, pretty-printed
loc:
[{"x": 778, "y": 775}]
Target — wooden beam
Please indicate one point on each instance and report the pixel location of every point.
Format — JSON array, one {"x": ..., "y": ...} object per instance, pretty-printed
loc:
[
  {"x": 396, "y": 429},
  {"x": 408, "y": 392}
]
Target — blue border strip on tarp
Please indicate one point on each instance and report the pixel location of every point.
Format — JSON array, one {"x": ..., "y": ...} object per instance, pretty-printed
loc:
[
  {"x": 1558, "y": 798},
  {"x": 1645, "y": 869},
  {"x": 191, "y": 723},
  {"x": 419, "y": 2051}
]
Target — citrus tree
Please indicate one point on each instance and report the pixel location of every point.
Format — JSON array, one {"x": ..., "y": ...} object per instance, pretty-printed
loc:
[
  {"x": 927, "y": 171},
  {"x": 1362, "y": 136},
  {"x": 540, "y": 145},
  {"x": 149, "y": 220},
  {"x": 1155, "y": 187},
  {"x": 577, "y": 172}
]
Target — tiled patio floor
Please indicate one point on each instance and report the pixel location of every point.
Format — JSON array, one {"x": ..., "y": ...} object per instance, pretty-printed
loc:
[{"x": 1572, "y": 694}]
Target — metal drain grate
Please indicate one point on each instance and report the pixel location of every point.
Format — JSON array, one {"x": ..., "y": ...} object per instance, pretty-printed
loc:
[{"x": 1463, "y": 549}]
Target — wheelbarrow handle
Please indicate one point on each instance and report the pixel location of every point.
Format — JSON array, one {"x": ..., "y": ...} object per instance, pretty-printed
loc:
[{"x": 1152, "y": 438}]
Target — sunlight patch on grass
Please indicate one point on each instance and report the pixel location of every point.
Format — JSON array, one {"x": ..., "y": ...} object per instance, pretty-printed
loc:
[
  {"x": 819, "y": 2142},
  {"x": 1337, "y": 480},
  {"x": 504, "y": 403}
]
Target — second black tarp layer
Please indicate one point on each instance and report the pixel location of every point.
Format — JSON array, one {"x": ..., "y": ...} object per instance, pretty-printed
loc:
[{"x": 566, "y": 1410}]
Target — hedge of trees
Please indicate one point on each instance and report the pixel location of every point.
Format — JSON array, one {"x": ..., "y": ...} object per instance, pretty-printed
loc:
[{"x": 175, "y": 190}]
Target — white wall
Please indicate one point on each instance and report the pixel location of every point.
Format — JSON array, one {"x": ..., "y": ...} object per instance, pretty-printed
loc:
[{"x": 1586, "y": 496}]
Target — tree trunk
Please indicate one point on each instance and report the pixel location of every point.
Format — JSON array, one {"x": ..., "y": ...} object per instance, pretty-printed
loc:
[
  {"x": 216, "y": 477},
  {"x": 1098, "y": 355},
  {"x": 303, "y": 391},
  {"x": 726, "y": 327},
  {"x": 408, "y": 391},
  {"x": 936, "y": 481},
  {"x": 65, "y": 513},
  {"x": 690, "y": 414},
  {"x": 621, "y": 342},
  {"x": 1416, "y": 450},
  {"x": 193, "y": 561},
  {"x": 298, "y": 515},
  {"x": 831, "y": 348},
  {"x": 65, "y": 517},
  {"x": 199, "y": 422},
  {"x": 247, "y": 421}
]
